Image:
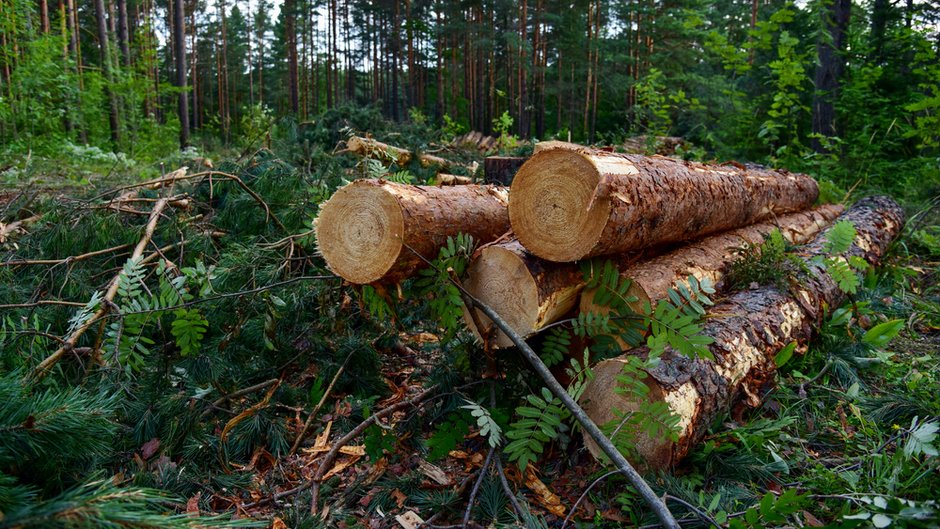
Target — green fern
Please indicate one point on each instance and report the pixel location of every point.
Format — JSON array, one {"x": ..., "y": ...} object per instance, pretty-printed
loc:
[
  {"x": 488, "y": 427},
  {"x": 555, "y": 346},
  {"x": 437, "y": 281},
  {"x": 839, "y": 237},
  {"x": 188, "y": 328},
  {"x": 541, "y": 422}
]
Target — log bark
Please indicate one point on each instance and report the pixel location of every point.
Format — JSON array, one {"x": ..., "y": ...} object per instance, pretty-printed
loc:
[
  {"x": 573, "y": 204},
  {"x": 709, "y": 258},
  {"x": 402, "y": 157},
  {"x": 501, "y": 170},
  {"x": 528, "y": 292},
  {"x": 367, "y": 230},
  {"x": 749, "y": 328}
]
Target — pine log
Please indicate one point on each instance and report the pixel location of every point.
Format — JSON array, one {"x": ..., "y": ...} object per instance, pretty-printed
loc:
[
  {"x": 443, "y": 179},
  {"x": 555, "y": 144},
  {"x": 501, "y": 170},
  {"x": 528, "y": 292},
  {"x": 709, "y": 258},
  {"x": 571, "y": 204},
  {"x": 386, "y": 152},
  {"x": 369, "y": 230},
  {"x": 749, "y": 328}
]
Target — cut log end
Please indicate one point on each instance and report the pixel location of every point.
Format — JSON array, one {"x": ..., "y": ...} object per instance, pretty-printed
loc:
[
  {"x": 359, "y": 231},
  {"x": 554, "y": 199},
  {"x": 500, "y": 279},
  {"x": 599, "y": 401}
]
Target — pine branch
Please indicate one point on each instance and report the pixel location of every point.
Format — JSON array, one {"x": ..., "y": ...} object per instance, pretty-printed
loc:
[{"x": 43, "y": 368}]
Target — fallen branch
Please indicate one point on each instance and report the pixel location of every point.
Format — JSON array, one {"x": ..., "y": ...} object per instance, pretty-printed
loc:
[
  {"x": 240, "y": 393},
  {"x": 70, "y": 259},
  {"x": 43, "y": 368}
]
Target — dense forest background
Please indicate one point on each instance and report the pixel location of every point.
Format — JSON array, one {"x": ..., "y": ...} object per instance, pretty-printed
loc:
[{"x": 852, "y": 86}]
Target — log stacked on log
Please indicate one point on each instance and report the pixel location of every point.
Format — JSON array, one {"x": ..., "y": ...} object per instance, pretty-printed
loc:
[
  {"x": 570, "y": 204},
  {"x": 709, "y": 258},
  {"x": 370, "y": 230},
  {"x": 749, "y": 328}
]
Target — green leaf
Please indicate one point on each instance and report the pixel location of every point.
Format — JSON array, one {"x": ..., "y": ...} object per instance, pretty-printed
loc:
[
  {"x": 881, "y": 334},
  {"x": 784, "y": 355},
  {"x": 839, "y": 237}
]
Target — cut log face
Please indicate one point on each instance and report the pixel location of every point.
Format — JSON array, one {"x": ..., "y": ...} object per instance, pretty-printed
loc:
[
  {"x": 365, "y": 229},
  {"x": 569, "y": 204},
  {"x": 709, "y": 258},
  {"x": 749, "y": 328},
  {"x": 528, "y": 292}
]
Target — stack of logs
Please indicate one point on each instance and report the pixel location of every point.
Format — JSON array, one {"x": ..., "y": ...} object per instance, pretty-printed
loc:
[{"x": 660, "y": 220}]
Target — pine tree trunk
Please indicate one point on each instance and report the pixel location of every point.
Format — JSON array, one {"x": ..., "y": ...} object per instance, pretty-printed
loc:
[
  {"x": 44, "y": 16},
  {"x": 106, "y": 66},
  {"x": 290, "y": 30},
  {"x": 122, "y": 33},
  {"x": 709, "y": 258},
  {"x": 749, "y": 328},
  {"x": 528, "y": 292},
  {"x": 829, "y": 50},
  {"x": 369, "y": 230},
  {"x": 572, "y": 204},
  {"x": 180, "y": 49}
]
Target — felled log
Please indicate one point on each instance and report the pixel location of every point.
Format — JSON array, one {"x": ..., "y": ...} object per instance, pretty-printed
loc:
[
  {"x": 555, "y": 144},
  {"x": 443, "y": 179},
  {"x": 709, "y": 258},
  {"x": 571, "y": 204},
  {"x": 528, "y": 292},
  {"x": 749, "y": 329},
  {"x": 501, "y": 169},
  {"x": 385, "y": 152},
  {"x": 369, "y": 230}
]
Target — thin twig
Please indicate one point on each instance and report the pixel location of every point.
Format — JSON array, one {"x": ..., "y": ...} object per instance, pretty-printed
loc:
[
  {"x": 316, "y": 409},
  {"x": 476, "y": 487},
  {"x": 40, "y": 303},
  {"x": 584, "y": 495},
  {"x": 71, "y": 259},
  {"x": 240, "y": 393},
  {"x": 702, "y": 515}
]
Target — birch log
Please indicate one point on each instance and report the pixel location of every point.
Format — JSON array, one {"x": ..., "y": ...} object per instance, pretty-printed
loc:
[
  {"x": 709, "y": 258},
  {"x": 367, "y": 230},
  {"x": 569, "y": 204},
  {"x": 749, "y": 329}
]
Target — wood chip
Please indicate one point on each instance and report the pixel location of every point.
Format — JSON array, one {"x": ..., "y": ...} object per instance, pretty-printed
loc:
[
  {"x": 409, "y": 520},
  {"x": 434, "y": 473},
  {"x": 545, "y": 497}
]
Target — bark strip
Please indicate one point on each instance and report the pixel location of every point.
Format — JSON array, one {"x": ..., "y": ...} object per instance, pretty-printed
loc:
[
  {"x": 569, "y": 204},
  {"x": 749, "y": 329},
  {"x": 365, "y": 228}
]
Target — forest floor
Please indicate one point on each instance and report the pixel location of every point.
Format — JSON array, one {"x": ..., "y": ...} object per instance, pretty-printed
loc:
[{"x": 218, "y": 378}]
